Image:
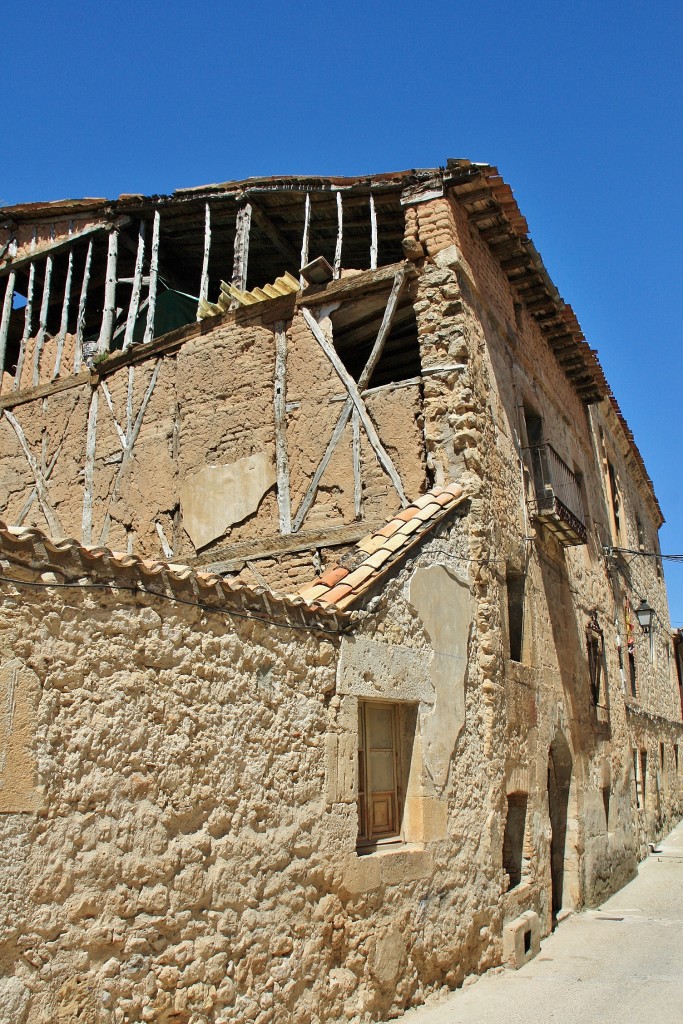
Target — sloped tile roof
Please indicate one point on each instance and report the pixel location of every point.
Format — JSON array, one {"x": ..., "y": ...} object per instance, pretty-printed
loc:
[
  {"x": 375, "y": 554},
  {"x": 78, "y": 563}
]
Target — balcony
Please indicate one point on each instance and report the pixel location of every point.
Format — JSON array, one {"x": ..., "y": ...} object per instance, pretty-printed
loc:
[{"x": 556, "y": 499}]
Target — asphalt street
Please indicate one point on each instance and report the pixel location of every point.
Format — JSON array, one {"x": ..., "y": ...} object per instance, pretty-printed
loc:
[{"x": 619, "y": 964}]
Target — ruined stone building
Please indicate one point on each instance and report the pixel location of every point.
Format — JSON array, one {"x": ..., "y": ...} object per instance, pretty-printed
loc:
[{"x": 322, "y": 682}]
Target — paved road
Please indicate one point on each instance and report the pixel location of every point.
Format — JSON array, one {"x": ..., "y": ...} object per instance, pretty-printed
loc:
[{"x": 621, "y": 964}]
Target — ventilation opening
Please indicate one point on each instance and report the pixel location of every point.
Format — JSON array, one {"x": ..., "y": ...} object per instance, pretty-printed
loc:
[
  {"x": 527, "y": 941},
  {"x": 632, "y": 674},
  {"x": 513, "y": 840},
  {"x": 355, "y": 327},
  {"x": 515, "y": 598}
]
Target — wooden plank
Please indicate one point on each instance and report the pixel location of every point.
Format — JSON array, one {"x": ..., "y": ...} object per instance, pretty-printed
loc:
[
  {"x": 385, "y": 327},
  {"x": 234, "y": 556},
  {"x": 56, "y": 246},
  {"x": 64, "y": 323},
  {"x": 204, "y": 283},
  {"x": 108, "y": 399},
  {"x": 340, "y": 237},
  {"x": 241, "y": 252},
  {"x": 305, "y": 238},
  {"x": 366, "y": 374},
  {"x": 26, "y": 507},
  {"x": 280, "y": 403},
  {"x": 109, "y": 312},
  {"x": 4, "y": 320},
  {"x": 42, "y": 321},
  {"x": 28, "y": 326},
  {"x": 80, "y": 323},
  {"x": 354, "y": 394},
  {"x": 348, "y": 287},
  {"x": 357, "y": 482},
  {"x": 134, "y": 304},
  {"x": 91, "y": 440},
  {"x": 153, "y": 278},
  {"x": 128, "y": 451},
  {"x": 373, "y": 234},
  {"x": 165, "y": 546},
  {"x": 51, "y": 517}
]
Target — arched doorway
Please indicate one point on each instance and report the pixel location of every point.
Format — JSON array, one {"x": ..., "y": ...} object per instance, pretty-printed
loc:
[{"x": 559, "y": 783}]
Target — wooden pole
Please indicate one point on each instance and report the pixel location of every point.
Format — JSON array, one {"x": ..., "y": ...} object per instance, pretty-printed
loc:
[
  {"x": 4, "y": 320},
  {"x": 305, "y": 239},
  {"x": 134, "y": 304},
  {"x": 28, "y": 326},
  {"x": 373, "y": 234},
  {"x": 204, "y": 284},
  {"x": 42, "y": 321},
  {"x": 65, "y": 315},
  {"x": 340, "y": 236},
  {"x": 241, "y": 257},
  {"x": 281, "y": 457},
  {"x": 357, "y": 482},
  {"x": 109, "y": 313},
  {"x": 91, "y": 440},
  {"x": 153, "y": 278},
  {"x": 80, "y": 323}
]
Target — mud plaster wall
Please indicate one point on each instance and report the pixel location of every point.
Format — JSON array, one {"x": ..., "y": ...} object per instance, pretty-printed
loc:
[
  {"x": 467, "y": 318},
  {"x": 211, "y": 404}
]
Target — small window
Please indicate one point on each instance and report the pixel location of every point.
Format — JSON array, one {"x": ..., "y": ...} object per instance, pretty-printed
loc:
[
  {"x": 643, "y": 775},
  {"x": 637, "y": 780},
  {"x": 641, "y": 534},
  {"x": 676, "y": 757},
  {"x": 615, "y": 498},
  {"x": 513, "y": 839},
  {"x": 515, "y": 598},
  {"x": 596, "y": 643},
  {"x": 379, "y": 795},
  {"x": 632, "y": 673}
]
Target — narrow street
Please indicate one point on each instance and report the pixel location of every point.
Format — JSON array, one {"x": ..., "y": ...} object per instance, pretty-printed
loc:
[{"x": 621, "y": 963}]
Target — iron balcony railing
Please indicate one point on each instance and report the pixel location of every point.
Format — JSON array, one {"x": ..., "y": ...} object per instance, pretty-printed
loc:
[{"x": 556, "y": 499}]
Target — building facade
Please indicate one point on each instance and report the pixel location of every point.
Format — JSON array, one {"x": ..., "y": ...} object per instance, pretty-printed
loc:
[{"x": 323, "y": 543}]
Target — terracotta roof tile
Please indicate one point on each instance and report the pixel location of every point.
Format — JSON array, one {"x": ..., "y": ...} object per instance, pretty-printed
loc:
[
  {"x": 336, "y": 593},
  {"x": 333, "y": 575},
  {"x": 375, "y": 553},
  {"x": 80, "y": 562}
]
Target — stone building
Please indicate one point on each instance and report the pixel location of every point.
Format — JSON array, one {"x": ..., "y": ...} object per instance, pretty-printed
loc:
[{"x": 322, "y": 681}]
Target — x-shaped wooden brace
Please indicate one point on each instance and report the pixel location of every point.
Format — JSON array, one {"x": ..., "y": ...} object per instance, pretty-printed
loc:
[
  {"x": 354, "y": 402},
  {"x": 128, "y": 437},
  {"x": 41, "y": 475}
]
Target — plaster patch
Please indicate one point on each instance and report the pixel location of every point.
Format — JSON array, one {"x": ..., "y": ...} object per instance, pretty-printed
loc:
[
  {"x": 217, "y": 497},
  {"x": 445, "y": 606},
  {"x": 19, "y": 697}
]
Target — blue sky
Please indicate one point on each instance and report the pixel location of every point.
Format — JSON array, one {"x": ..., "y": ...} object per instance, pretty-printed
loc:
[{"x": 579, "y": 105}]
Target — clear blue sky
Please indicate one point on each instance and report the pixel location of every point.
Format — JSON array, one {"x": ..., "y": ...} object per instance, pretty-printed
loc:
[{"x": 578, "y": 104}]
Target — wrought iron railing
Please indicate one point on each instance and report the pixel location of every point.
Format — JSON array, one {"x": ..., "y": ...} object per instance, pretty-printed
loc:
[{"x": 556, "y": 499}]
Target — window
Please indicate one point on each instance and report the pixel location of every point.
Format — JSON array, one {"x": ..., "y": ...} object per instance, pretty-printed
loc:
[
  {"x": 643, "y": 774},
  {"x": 632, "y": 673},
  {"x": 641, "y": 534},
  {"x": 615, "y": 498},
  {"x": 676, "y": 757},
  {"x": 513, "y": 839},
  {"x": 515, "y": 597},
  {"x": 637, "y": 780},
  {"x": 379, "y": 791},
  {"x": 596, "y": 642}
]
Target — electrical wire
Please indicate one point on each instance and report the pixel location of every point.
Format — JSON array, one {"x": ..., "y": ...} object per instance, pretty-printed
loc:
[{"x": 35, "y": 584}]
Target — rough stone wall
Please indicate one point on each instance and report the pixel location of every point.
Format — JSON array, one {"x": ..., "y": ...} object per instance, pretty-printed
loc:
[
  {"x": 194, "y": 858},
  {"x": 473, "y": 427}
]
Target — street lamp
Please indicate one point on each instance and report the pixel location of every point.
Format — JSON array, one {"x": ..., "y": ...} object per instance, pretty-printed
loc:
[{"x": 645, "y": 613}]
